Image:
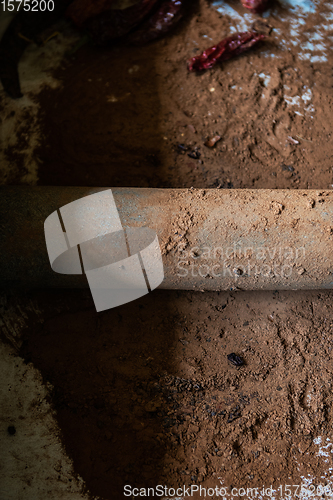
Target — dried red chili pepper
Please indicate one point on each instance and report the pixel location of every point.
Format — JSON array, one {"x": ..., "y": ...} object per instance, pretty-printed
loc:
[
  {"x": 164, "y": 19},
  {"x": 114, "y": 23},
  {"x": 255, "y": 6},
  {"x": 117, "y": 23},
  {"x": 81, "y": 10},
  {"x": 229, "y": 47}
]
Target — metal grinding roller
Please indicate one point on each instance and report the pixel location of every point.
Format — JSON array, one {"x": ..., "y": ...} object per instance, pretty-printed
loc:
[{"x": 210, "y": 239}]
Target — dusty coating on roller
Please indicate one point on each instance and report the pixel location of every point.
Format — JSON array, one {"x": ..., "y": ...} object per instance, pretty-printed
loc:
[{"x": 246, "y": 239}]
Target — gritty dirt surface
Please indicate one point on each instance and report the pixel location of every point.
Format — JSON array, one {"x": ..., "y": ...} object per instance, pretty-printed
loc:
[{"x": 144, "y": 393}]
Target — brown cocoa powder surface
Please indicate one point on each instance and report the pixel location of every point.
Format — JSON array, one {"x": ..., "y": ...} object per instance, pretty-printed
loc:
[{"x": 144, "y": 393}]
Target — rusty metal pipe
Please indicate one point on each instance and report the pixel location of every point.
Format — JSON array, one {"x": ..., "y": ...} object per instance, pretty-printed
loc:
[{"x": 210, "y": 239}]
